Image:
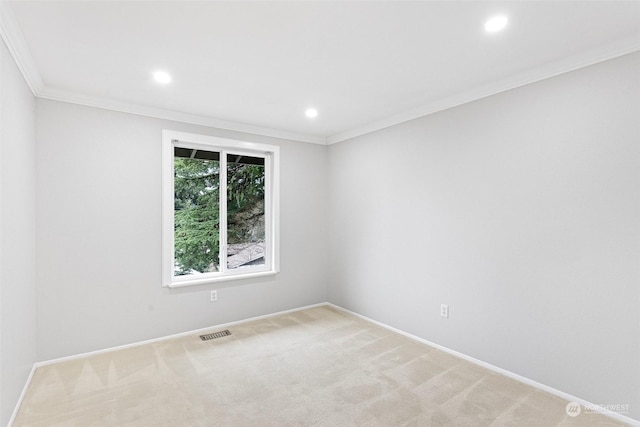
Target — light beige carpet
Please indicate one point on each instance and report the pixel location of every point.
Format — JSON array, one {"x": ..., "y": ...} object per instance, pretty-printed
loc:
[{"x": 316, "y": 367}]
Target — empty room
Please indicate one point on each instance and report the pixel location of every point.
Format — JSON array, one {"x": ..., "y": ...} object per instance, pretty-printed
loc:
[{"x": 319, "y": 213}]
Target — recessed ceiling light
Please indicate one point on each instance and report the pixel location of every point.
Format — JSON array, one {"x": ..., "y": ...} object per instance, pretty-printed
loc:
[
  {"x": 162, "y": 77},
  {"x": 311, "y": 113},
  {"x": 496, "y": 23}
]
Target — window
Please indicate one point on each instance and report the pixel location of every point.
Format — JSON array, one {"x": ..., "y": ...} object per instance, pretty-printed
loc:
[{"x": 220, "y": 209}]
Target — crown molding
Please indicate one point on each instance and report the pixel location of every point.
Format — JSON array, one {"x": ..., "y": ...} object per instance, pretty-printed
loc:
[
  {"x": 13, "y": 39},
  {"x": 12, "y": 36},
  {"x": 159, "y": 113},
  {"x": 565, "y": 65},
  {"x": 17, "y": 46}
]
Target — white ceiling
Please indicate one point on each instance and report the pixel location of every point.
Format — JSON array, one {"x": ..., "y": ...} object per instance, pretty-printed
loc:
[{"x": 256, "y": 66}]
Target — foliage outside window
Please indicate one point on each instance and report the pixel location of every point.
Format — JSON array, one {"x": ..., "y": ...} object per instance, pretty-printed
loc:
[{"x": 219, "y": 199}]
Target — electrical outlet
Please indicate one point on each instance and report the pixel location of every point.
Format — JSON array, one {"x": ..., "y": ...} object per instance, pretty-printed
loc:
[
  {"x": 214, "y": 296},
  {"x": 444, "y": 310}
]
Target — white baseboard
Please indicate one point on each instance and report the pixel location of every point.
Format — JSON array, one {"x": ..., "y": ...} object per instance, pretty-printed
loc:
[
  {"x": 136, "y": 344},
  {"x": 169, "y": 337},
  {"x": 21, "y": 398},
  {"x": 520, "y": 378}
]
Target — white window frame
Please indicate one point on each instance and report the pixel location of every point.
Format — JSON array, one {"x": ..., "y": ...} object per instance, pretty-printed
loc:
[{"x": 271, "y": 154}]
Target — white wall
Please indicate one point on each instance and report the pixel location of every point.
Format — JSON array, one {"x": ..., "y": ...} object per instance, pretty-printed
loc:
[
  {"x": 522, "y": 212},
  {"x": 17, "y": 233},
  {"x": 99, "y": 234}
]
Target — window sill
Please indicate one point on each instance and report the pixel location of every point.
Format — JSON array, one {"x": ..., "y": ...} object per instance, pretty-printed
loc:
[{"x": 217, "y": 279}]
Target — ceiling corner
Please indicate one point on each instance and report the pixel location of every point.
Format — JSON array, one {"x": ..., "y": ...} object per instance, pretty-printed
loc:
[{"x": 12, "y": 36}]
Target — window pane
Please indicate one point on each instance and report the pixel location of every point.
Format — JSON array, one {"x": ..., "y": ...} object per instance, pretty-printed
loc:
[
  {"x": 196, "y": 211},
  {"x": 245, "y": 211}
]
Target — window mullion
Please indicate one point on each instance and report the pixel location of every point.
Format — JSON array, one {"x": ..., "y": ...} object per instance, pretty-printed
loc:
[
  {"x": 268, "y": 238},
  {"x": 222, "y": 222}
]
